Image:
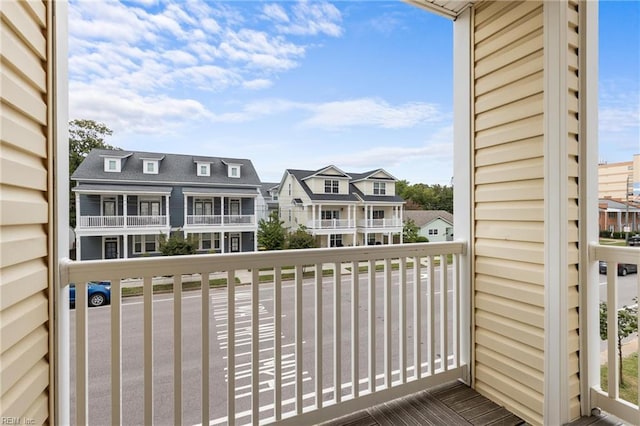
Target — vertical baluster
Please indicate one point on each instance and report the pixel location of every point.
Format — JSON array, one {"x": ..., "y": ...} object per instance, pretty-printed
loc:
[
  {"x": 277, "y": 343},
  {"x": 387, "y": 323},
  {"x": 355, "y": 328},
  {"x": 372, "y": 326},
  {"x": 431, "y": 327},
  {"x": 205, "y": 346},
  {"x": 402, "y": 313},
  {"x": 298, "y": 333},
  {"x": 147, "y": 299},
  {"x": 337, "y": 333},
  {"x": 231, "y": 347},
  {"x": 255, "y": 346},
  {"x": 456, "y": 310},
  {"x": 116, "y": 351},
  {"x": 612, "y": 329},
  {"x": 417, "y": 359},
  {"x": 444, "y": 314},
  {"x": 177, "y": 349},
  {"x": 319, "y": 325},
  {"x": 82, "y": 365}
]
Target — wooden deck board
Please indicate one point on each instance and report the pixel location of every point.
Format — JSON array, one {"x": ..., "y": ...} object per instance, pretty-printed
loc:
[{"x": 452, "y": 404}]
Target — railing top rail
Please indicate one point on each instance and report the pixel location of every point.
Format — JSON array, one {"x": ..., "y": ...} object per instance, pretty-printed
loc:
[
  {"x": 614, "y": 253},
  {"x": 87, "y": 270}
]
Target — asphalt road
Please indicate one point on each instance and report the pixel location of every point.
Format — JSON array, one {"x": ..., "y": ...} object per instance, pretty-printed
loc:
[
  {"x": 627, "y": 289},
  {"x": 132, "y": 350}
]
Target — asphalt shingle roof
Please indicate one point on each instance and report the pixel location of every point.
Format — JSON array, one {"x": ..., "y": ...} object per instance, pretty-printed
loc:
[
  {"x": 173, "y": 169},
  {"x": 423, "y": 217}
]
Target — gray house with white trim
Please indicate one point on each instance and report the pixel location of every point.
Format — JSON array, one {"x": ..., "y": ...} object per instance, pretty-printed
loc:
[{"x": 126, "y": 199}]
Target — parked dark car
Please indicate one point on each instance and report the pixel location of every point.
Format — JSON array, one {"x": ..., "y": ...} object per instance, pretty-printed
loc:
[
  {"x": 634, "y": 241},
  {"x": 98, "y": 293},
  {"x": 623, "y": 268}
]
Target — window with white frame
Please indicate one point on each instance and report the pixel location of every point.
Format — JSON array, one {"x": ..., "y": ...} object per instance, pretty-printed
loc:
[
  {"x": 335, "y": 240},
  {"x": 330, "y": 214},
  {"x": 205, "y": 241},
  {"x": 145, "y": 244},
  {"x": 109, "y": 206},
  {"x": 204, "y": 169},
  {"x": 202, "y": 207},
  {"x": 378, "y": 214},
  {"x": 149, "y": 208},
  {"x": 234, "y": 170},
  {"x": 379, "y": 188},
  {"x": 433, "y": 231},
  {"x": 112, "y": 165},
  {"x": 150, "y": 167},
  {"x": 289, "y": 189},
  {"x": 331, "y": 186}
]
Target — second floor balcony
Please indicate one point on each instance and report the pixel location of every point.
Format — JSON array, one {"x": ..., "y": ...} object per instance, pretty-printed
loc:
[
  {"x": 380, "y": 223},
  {"x": 320, "y": 224},
  {"x": 114, "y": 222},
  {"x": 195, "y": 220}
]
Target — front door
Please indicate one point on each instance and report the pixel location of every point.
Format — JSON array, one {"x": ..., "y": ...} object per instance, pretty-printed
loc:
[
  {"x": 111, "y": 248},
  {"x": 234, "y": 243}
]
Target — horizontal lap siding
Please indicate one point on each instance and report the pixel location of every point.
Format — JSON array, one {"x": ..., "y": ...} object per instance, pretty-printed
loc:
[
  {"x": 24, "y": 212},
  {"x": 509, "y": 205}
]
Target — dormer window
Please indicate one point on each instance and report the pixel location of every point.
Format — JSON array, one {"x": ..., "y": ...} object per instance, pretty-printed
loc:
[
  {"x": 379, "y": 188},
  {"x": 150, "y": 167},
  {"x": 234, "y": 170},
  {"x": 331, "y": 186},
  {"x": 112, "y": 165},
  {"x": 204, "y": 169}
]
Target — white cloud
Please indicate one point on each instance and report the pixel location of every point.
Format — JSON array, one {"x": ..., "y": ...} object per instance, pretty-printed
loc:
[
  {"x": 275, "y": 12},
  {"x": 371, "y": 112},
  {"x": 257, "y": 84},
  {"x": 313, "y": 18}
]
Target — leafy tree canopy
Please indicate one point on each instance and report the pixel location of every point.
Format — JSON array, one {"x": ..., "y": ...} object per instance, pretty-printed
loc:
[
  {"x": 421, "y": 196},
  {"x": 177, "y": 245},
  {"x": 410, "y": 231},
  {"x": 271, "y": 233},
  {"x": 85, "y": 135},
  {"x": 301, "y": 239}
]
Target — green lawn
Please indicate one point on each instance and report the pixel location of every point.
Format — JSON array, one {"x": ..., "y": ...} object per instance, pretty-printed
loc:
[
  {"x": 629, "y": 390},
  {"x": 168, "y": 288},
  {"x": 612, "y": 242}
]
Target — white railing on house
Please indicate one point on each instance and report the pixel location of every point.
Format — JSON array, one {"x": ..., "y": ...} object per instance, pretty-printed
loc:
[
  {"x": 101, "y": 221},
  {"x": 119, "y": 221},
  {"x": 314, "y": 335},
  {"x": 610, "y": 400},
  {"x": 146, "y": 221},
  {"x": 380, "y": 223},
  {"x": 218, "y": 220},
  {"x": 331, "y": 224}
]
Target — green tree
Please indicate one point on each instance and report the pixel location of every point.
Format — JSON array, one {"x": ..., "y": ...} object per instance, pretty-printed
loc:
[
  {"x": 627, "y": 325},
  {"x": 176, "y": 244},
  {"x": 271, "y": 233},
  {"x": 410, "y": 231},
  {"x": 84, "y": 135},
  {"x": 427, "y": 197},
  {"x": 301, "y": 239}
]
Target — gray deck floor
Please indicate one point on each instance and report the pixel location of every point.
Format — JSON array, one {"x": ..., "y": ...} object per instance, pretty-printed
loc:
[{"x": 453, "y": 404}]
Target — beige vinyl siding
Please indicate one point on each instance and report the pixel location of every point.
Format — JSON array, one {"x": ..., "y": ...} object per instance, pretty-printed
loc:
[
  {"x": 24, "y": 212},
  {"x": 509, "y": 205}
]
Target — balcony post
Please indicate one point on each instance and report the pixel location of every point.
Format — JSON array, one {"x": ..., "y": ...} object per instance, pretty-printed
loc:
[
  {"x": 166, "y": 209},
  {"x": 126, "y": 210},
  {"x": 186, "y": 199},
  {"x": 222, "y": 210}
]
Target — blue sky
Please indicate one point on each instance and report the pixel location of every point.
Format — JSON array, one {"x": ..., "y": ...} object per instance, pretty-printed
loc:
[{"x": 303, "y": 84}]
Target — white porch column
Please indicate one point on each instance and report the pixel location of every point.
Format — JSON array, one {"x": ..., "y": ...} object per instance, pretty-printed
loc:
[
  {"x": 222, "y": 210},
  {"x": 77, "y": 210},
  {"x": 222, "y": 235},
  {"x": 166, "y": 206},
  {"x": 78, "y": 245},
  {"x": 125, "y": 245},
  {"x": 619, "y": 221},
  {"x": 124, "y": 208},
  {"x": 186, "y": 198}
]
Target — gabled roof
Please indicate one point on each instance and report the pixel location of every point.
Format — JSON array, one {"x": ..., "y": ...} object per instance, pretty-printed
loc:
[
  {"x": 175, "y": 169},
  {"x": 356, "y": 177},
  {"x": 425, "y": 217},
  {"x": 448, "y": 8},
  {"x": 354, "y": 194},
  {"x": 323, "y": 173}
]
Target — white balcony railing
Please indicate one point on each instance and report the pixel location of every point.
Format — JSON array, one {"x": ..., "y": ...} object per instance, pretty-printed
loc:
[
  {"x": 610, "y": 400},
  {"x": 331, "y": 224},
  {"x": 119, "y": 221},
  {"x": 315, "y": 334},
  {"x": 146, "y": 221},
  {"x": 380, "y": 223},
  {"x": 101, "y": 221},
  {"x": 218, "y": 220}
]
